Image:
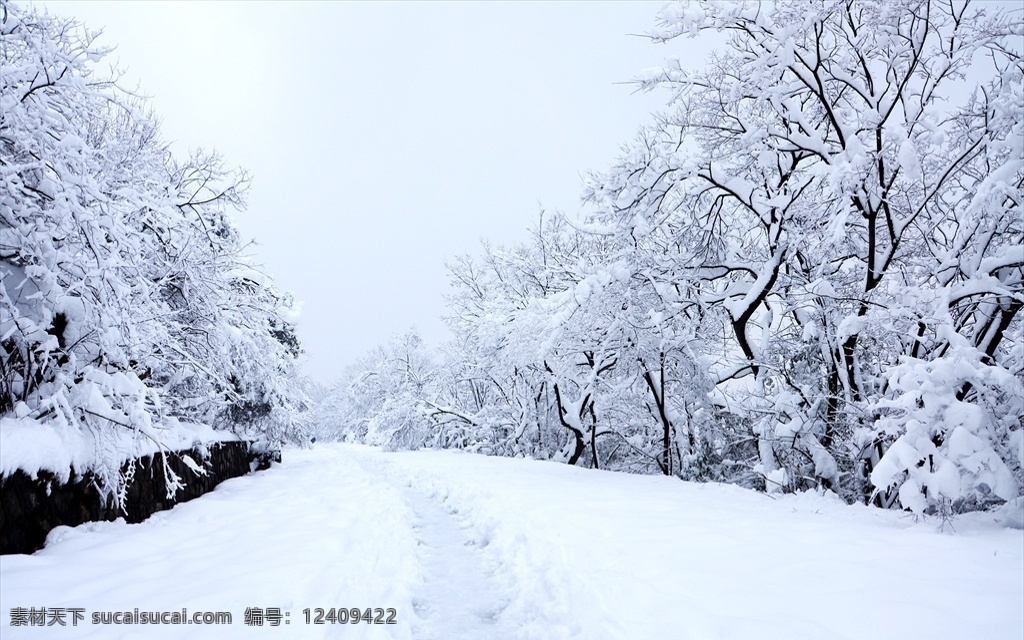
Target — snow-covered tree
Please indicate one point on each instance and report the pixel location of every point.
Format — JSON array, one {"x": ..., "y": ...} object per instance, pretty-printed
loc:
[
  {"x": 383, "y": 399},
  {"x": 125, "y": 296},
  {"x": 819, "y": 178},
  {"x": 804, "y": 272}
]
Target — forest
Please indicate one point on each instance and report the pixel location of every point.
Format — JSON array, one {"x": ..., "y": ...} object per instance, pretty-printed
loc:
[{"x": 804, "y": 272}]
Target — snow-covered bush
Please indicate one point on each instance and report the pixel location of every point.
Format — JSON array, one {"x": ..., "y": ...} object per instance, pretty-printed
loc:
[{"x": 957, "y": 423}]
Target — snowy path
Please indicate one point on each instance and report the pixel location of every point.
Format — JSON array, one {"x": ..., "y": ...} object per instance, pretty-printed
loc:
[
  {"x": 459, "y": 598},
  {"x": 315, "y": 532},
  {"x": 472, "y": 548}
]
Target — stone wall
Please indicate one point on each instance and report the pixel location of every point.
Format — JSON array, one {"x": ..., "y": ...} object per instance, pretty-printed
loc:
[{"x": 30, "y": 508}]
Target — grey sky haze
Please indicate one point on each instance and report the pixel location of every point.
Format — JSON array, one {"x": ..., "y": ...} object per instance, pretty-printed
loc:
[{"x": 386, "y": 138}]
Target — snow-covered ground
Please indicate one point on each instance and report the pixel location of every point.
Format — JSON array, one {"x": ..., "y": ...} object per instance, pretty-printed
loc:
[{"x": 464, "y": 546}]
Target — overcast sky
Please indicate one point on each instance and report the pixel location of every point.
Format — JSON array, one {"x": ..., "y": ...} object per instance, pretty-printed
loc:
[{"x": 385, "y": 138}]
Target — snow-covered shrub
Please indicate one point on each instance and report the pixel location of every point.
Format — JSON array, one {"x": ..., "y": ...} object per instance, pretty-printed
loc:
[{"x": 957, "y": 423}]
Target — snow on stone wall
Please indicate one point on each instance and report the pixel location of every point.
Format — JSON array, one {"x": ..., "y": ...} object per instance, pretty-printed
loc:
[{"x": 32, "y": 506}]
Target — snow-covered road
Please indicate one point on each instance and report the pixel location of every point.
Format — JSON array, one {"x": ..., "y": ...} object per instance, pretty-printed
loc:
[{"x": 463, "y": 546}]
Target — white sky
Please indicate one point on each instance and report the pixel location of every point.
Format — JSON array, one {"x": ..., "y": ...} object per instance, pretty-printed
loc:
[{"x": 386, "y": 138}]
